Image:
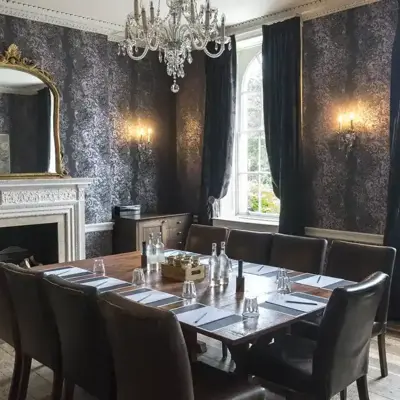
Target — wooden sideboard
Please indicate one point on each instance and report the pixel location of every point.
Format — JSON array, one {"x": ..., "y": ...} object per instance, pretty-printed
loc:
[{"x": 130, "y": 231}]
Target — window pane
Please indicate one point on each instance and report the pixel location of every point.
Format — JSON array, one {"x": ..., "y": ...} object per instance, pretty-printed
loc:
[
  {"x": 264, "y": 164},
  {"x": 252, "y": 152},
  {"x": 252, "y": 194},
  {"x": 269, "y": 202},
  {"x": 252, "y": 111}
]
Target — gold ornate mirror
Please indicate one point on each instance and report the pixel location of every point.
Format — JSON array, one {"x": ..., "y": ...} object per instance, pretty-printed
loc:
[{"x": 29, "y": 119}]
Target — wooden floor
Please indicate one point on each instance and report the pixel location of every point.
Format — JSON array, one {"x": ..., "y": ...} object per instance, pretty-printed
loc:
[{"x": 380, "y": 389}]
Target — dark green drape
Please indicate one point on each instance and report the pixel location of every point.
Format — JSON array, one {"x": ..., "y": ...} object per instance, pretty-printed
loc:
[
  {"x": 392, "y": 231},
  {"x": 281, "y": 59},
  {"x": 218, "y": 137},
  {"x": 43, "y": 130}
]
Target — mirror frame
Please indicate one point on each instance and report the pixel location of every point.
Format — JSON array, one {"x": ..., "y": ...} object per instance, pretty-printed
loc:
[{"x": 12, "y": 58}]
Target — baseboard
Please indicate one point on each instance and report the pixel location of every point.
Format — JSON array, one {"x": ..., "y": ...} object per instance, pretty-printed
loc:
[
  {"x": 100, "y": 227},
  {"x": 349, "y": 236}
]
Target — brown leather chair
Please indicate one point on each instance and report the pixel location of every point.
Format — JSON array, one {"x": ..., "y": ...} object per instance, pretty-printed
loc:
[
  {"x": 85, "y": 349},
  {"x": 201, "y": 237},
  {"x": 298, "y": 253},
  {"x": 254, "y": 247},
  {"x": 339, "y": 357},
  {"x": 354, "y": 262},
  {"x": 9, "y": 331},
  {"x": 151, "y": 360},
  {"x": 38, "y": 332}
]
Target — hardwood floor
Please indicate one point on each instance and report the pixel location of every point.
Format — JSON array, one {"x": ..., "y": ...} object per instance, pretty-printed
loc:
[{"x": 380, "y": 389}]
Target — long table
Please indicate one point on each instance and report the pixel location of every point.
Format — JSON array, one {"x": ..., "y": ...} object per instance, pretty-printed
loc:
[{"x": 238, "y": 332}]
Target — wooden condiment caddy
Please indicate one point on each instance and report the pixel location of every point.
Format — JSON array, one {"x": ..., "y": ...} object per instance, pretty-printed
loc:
[{"x": 183, "y": 268}]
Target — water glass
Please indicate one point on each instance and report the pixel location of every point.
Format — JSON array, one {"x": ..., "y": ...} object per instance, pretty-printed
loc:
[
  {"x": 189, "y": 290},
  {"x": 280, "y": 274},
  {"x": 284, "y": 285},
  {"x": 250, "y": 308},
  {"x": 138, "y": 277},
  {"x": 98, "y": 267}
]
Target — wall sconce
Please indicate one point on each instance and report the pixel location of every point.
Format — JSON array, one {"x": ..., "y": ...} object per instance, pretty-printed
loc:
[
  {"x": 346, "y": 132},
  {"x": 144, "y": 136}
]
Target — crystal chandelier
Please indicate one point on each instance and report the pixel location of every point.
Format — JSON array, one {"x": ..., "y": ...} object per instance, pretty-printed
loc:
[{"x": 184, "y": 29}]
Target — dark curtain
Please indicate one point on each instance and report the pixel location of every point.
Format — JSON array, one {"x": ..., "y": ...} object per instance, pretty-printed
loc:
[
  {"x": 218, "y": 137},
  {"x": 392, "y": 231},
  {"x": 281, "y": 59},
  {"x": 44, "y": 126}
]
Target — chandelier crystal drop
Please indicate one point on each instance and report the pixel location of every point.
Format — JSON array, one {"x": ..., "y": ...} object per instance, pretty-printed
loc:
[{"x": 185, "y": 28}]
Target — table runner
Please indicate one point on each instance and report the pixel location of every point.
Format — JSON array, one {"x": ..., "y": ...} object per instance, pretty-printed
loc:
[{"x": 68, "y": 272}]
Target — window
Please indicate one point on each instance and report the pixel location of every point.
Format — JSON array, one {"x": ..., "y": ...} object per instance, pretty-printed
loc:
[{"x": 251, "y": 191}]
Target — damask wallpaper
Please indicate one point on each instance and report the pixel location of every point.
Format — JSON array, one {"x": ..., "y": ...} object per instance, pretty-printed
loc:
[
  {"x": 347, "y": 60},
  {"x": 102, "y": 99}
]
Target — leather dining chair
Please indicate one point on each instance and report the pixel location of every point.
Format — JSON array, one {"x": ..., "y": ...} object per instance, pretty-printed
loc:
[
  {"x": 354, "y": 262},
  {"x": 151, "y": 360},
  {"x": 298, "y": 253},
  {"x": 254, "y": 247},
  {"x": 9, "y": 332},
  {"x": 321, "y": 369},
  {"x": 85, "y": 349},
  {"x": 38, "y": 332},
  {"x": 201, "y": 237}
]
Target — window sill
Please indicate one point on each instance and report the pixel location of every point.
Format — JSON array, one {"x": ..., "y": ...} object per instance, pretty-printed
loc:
[{"x": 248, "y": 223}]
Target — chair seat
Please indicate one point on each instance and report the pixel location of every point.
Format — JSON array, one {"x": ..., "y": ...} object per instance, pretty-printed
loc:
[
  {"x": 212, "y": 384},
  {"x": 286, "y": 362}
]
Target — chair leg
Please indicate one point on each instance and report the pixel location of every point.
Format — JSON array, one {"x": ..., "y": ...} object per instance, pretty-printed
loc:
[
  {"x": 25, "y": 374},
  {"x": 56, "y": 392},
  {"x": 343, "y": 394},
  {"x": 68, "y": 390},
  {"x": 224, "y": 351},
  {"x": 382, "y": 355},
  {"x": 362, "y": 386}
]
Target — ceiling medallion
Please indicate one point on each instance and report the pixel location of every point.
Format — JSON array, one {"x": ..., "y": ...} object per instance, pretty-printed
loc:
[{"x": 185, "y": 29}]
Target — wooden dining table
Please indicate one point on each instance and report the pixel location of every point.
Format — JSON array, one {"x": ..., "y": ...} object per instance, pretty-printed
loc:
[{"x": 237, "y": 336}]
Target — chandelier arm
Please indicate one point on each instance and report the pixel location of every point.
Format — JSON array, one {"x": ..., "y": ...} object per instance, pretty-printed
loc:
[
  {"x": 149, "y": 40},
  {"x": 215, "y": 55},
  {"x": 204, "y": 41},
  {"x": 137, "y": 58}
]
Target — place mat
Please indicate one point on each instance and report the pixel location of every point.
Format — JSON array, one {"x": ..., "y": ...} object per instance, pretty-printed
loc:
[
  {"x": 342, "y": 283},
  {"x": 68, "y": 272},
  {"x": 281, "y": 309},
  {"x": 203, "y": 315},
  {"x": 282, "y": 300},
  {"x": 151, "y": 297},
  {"x": 104, "y": 283},
  {"x": 258, "y": 269},
  {"x": 300, "y": 277},
  {"x": 311, "y": 297},
  {"x": 319, "y": 281}
]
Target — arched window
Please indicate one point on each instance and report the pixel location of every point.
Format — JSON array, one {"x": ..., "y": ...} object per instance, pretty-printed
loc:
[{"x": 254, "y": 194}]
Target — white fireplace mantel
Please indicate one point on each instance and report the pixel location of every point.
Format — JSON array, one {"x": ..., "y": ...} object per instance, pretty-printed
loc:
[{"x": 42, "y": 201}]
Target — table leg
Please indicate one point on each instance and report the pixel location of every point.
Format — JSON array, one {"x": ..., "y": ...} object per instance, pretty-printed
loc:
[
  {"x": 239, "y": 356},
  {"x": 191, "y": 344}
]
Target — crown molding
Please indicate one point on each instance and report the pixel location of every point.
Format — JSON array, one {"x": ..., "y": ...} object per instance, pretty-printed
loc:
[
  {"x": 311, "y": 10},
  {"x": 22, "y": 10}
]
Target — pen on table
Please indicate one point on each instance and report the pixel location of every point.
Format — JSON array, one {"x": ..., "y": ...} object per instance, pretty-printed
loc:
[
  {"x": 319, "y": 278},
  {"x": 144, "y": 298},
  {"x": 301, "y": 302},
  {"x": 101, "y": 284},
  {"x": 197, "y": 320},
  {"x": 262, "y": 266}
]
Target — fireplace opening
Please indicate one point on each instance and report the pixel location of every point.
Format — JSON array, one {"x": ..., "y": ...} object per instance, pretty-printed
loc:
[{"x": 37, "y": 243}]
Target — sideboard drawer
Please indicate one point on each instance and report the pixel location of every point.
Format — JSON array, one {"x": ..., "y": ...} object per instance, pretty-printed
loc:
[{"x": 180, "y": 222}]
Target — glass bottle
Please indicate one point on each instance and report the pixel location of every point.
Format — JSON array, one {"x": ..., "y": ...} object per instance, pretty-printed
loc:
[
  {"x": 160, "y": 249},
  {"x": 214, "y": 267},
  {"x": 151, "y": 250},
  {"x": 223, "y": 261}
]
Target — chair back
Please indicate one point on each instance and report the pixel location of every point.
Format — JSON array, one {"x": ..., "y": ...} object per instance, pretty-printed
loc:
[
  {"x": 201, "y": 237},
  {"x": 254, "y": 247},
  {"x": 298, "y": 253},
  {"x": 85, "y": 349},
  {"x": 36, "y": 324},
  {"x": 8, "y": 322},
  {"x": 342, "y": 351},
  {"x": 149, "y": 351},
  {"x": 355, "y": 261}
]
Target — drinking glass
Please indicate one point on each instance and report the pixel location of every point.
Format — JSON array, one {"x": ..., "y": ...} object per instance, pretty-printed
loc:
[
  {"x": 284, "y": 285},
  {"x": 98, "y": 267},
  {"x": 189, "y": 290},
  {"x": 250, "y": 308},
  {"x": 138, "y": 277},
  {"x": 280, "y": 273}
]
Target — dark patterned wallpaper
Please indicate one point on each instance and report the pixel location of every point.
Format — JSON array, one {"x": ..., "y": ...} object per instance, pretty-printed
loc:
[
  {"x": 102, "y": 98},
  {"x": 189, "y": 130},
  {"x": 347, "y": 69}
]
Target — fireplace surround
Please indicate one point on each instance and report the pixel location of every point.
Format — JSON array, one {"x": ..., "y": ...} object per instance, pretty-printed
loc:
[{"x": 48, "y": 201}]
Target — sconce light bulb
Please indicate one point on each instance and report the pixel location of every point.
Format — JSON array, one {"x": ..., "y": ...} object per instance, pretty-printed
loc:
[
  {"x": 340, "y": 119},
  {"x": 351, "y": 116}
]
